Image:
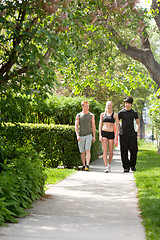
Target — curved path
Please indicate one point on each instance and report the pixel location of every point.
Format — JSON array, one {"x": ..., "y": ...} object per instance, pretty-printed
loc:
[{"x": 86, "y": 206}]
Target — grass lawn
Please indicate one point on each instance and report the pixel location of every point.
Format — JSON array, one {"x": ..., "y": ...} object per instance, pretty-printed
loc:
[
  {"x": 55, "y": 175},
  {"x": 148, "y": 182}
]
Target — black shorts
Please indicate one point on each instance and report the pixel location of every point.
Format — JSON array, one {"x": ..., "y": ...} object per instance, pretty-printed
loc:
[{"x": 108, "y": 135}]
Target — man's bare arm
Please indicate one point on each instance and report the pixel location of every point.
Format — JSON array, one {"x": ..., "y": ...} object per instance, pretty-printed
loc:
[
  {"x": 77, "y": 127},
  {"x": 94, "y": 128}
]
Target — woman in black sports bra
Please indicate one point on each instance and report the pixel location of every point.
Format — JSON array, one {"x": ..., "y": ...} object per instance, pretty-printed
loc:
[{"x": 106, "y": 133}]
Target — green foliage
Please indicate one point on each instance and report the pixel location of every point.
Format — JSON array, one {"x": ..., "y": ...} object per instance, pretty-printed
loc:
[
  {"x": 22, "y": 176},
  {"x": 16, "y": 107},
  {"x": 40, "y": 38},
  {"x": 56, "y": 144},
  {"x": 22, "y": 180},
  {"x": 148, "y": 182},
  {"x": 97, "y": 58},
  {"x": 154, "y": 112},
  {"x": 32, "y": 47},
  {"x": 56, "y": 109},
  {"x": 64, "y": 109}
]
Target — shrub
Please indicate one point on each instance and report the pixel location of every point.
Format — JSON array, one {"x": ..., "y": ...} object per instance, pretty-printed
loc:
[
  {"x": 21, "y": 180},
  {"x": 56, "y": 144},
  {"x": 56, "y": 109},
  {"x": 63, "y": 110}
]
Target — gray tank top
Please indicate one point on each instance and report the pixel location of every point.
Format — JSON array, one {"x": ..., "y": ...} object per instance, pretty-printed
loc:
[{"x": 85, "y": 123}]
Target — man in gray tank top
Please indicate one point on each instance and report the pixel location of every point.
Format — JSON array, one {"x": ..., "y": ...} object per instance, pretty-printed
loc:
[{"x": 85, "y": 130}]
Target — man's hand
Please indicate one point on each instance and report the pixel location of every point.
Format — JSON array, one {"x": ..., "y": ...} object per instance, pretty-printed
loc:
[{"x": 78, "y": 138}]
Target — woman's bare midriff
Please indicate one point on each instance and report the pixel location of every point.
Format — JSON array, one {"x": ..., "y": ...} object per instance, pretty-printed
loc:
[{"x": 108, "y": 127}]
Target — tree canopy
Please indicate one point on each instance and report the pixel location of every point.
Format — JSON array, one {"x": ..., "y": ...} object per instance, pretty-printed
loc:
[
  {"x": 106, "y": 27},
  {"x": 32, "y": 46},
  {"x": 39, "y": 37}
]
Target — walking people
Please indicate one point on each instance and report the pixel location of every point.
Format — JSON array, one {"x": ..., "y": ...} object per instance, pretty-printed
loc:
[
  {"x": 106, "y": 133},
  {"x": 85, "y": 130},
  {"x": 128, "y": 135}
]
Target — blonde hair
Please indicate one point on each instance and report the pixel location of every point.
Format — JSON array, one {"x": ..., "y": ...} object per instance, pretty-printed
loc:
[
  {"x": 83, "y": 102},
  {"x": 108, "y": 102}
]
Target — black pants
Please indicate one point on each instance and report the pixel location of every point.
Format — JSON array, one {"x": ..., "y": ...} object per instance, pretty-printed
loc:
[{"x": 128, "y": 143}]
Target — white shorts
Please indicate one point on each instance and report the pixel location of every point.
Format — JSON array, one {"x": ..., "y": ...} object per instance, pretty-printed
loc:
[{"x": 85, "y": 143}]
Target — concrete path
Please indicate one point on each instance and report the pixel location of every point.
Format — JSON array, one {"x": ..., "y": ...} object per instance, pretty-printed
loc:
[{"x": 86, "y": 206}]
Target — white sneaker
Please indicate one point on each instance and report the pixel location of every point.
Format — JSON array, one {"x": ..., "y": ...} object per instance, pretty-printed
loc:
[{"x": 106, "y": 169}]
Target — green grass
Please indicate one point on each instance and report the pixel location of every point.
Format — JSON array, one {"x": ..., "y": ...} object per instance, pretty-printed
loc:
[
  {"x": 55, "y": 175},
  {"x": 148, "y": 182}
]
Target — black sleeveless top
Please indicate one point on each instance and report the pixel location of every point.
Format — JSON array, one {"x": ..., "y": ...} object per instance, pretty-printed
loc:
[{"x": 108, "y": 118}]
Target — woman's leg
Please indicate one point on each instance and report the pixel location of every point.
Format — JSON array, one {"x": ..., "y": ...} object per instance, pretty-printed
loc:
[
  {"x": 104, "y": 145},
  {"x": 110, "y": 143}
]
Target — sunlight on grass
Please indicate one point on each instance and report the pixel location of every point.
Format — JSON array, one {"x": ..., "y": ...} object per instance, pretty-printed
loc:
[
  {"x": 55, "y": 175},
  {"x": 148, "y": 182}
]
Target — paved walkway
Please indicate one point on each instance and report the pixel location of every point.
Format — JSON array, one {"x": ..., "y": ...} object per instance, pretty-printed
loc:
[{"x": 86, "y": 206}]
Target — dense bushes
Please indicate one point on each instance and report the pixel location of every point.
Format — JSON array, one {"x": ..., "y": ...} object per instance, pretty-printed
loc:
[
  {"x": 56, "y": 109},
  {"x": 22, "y": 179},
  {"x": 29, "y": 145},
  {"x": 63, "y": 110},
  {"x": 56, "y": 144}
]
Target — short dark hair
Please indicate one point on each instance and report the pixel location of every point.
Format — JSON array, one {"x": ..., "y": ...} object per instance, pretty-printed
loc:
[{"x": 129, "y": 100}]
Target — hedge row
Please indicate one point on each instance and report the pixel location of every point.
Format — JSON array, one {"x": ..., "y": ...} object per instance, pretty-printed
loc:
[
  {"x": 22, "y": 180},
  {"x": 24, "y": 150},
  {"x": 56, "y": 144}
]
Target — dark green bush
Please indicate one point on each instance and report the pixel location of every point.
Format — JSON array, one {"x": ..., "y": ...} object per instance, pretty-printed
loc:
[
  {"x": 56, "y": 109},
  {"x": 22, "y": 180},
  {"x": 56, "y": 144},
  {"x": 63, "y": 110}
]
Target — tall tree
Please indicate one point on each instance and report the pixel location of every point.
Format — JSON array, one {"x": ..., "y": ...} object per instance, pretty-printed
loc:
[
  {"x": 123, "y": 24},
  {"x": 31, "y": 43},
  {"x": 37, "y": 36}
]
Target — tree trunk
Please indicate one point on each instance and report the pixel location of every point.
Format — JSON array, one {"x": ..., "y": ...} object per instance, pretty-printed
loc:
[
  {"x": 158, "y": 146},
  {"x": 142, "y": 127},
  {"x": 145, "y": 56}
]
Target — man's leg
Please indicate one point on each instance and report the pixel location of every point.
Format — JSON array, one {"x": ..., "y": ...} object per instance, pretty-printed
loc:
[
  {"x": 88, "y": 147},
  {"x": 133, "y": 148},
  {"x": 83, "y": 158},
  {"x": 124, "y": 151},
  {"x": 81, "y": 145},
  {"x": 88, "y": 157}
]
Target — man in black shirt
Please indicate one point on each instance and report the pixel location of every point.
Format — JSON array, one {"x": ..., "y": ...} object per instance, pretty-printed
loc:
[{"x": 128, "y": 135}]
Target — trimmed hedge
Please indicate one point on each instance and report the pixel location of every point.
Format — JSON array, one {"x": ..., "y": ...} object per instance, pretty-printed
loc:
[
  {"x": 56, "y": 144},
  {"x": 24, "y": 149}
]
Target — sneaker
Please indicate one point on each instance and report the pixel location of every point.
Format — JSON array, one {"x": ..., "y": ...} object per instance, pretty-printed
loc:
[
  {"x": 106, "y": 169},
  {"x": 83, "y": 168},
  {"x": 133, "y": 169},
  {"x": 86, "y": 168},
  {"x": 126, "y": 170}
]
